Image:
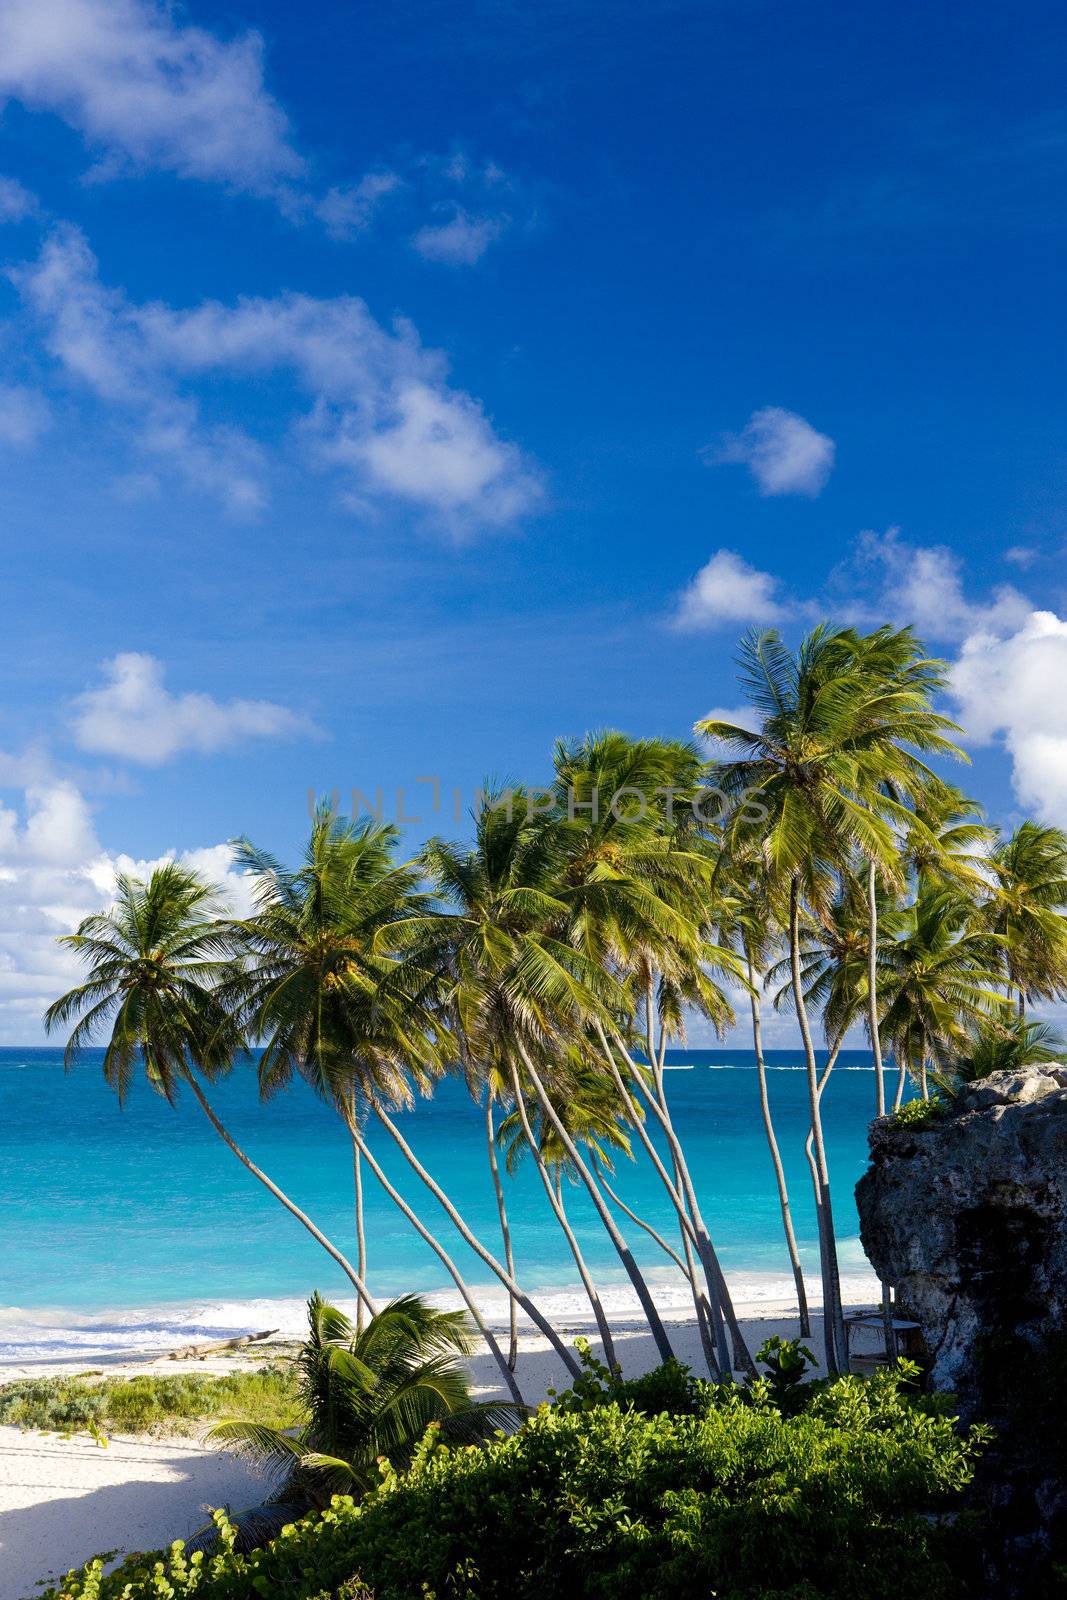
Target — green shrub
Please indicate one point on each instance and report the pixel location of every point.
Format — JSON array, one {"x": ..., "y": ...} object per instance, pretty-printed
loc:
[
  {"x": 919, "y": 1113},
  {"x": 608, "y": 1503},
  {"x": 152, "y": 1401}
]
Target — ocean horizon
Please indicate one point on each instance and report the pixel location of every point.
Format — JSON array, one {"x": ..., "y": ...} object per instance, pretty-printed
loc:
[{"x": 135, "y": 1228}]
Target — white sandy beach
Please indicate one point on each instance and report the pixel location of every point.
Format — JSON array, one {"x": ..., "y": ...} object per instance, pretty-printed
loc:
[{"x": 63, "y": 1500}]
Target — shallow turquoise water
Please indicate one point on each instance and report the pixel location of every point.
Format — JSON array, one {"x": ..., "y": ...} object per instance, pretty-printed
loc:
[{"x": 133, "y": 1211}]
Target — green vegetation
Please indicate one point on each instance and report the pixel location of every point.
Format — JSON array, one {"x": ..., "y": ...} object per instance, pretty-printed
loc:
[
  {"x": 723, "y": 1496},
  {"x": 368, "y": 1397},
  {"x": 816, "y": 858},
  {"x": 920, "y": 1113},
  {"x": 152, "y": 1403}
]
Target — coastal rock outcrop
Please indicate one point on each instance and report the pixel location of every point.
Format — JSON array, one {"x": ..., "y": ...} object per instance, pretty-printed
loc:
[{"x": 966, "y": 1215}]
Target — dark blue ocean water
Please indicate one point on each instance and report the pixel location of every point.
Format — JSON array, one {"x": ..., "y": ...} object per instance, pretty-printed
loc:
[{"x": 122, "y": 1216}]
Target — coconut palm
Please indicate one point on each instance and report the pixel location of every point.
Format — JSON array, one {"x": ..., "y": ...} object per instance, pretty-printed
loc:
[
  {"x": 370, "y": 1395},
  {"x": 520, "y": 990},
  {"x": 590, "y": 1115},
  {"x": 320, "y": 990},
  {"x": 637, "y": 884},
  {"x": 944, "y": 840},
  {"x": 808, "y": 790},
  {"x": 938, "y": 978},
  {"x": 749, "y": 919},
  {"x": 900, "y": 713},
  {"x": 1001, "y": 1044},
  {"x": 156, "y": 961},
  {"x": 1030, "y": 872}
]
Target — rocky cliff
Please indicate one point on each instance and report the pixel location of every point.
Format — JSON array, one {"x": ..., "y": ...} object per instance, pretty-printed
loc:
[{"x": 966, "y": 1215}]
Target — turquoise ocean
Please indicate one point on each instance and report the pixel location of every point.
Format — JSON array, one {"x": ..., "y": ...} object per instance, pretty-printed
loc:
[{"x": 136, "y": 1228}]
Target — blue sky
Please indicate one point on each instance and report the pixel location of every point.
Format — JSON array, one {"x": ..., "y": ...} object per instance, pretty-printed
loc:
[{"x": 389, "y": 390}]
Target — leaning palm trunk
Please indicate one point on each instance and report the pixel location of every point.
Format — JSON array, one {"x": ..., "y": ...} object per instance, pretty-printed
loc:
[
  {"x": 633, "y": 1271},
  {"x": 776, "y": 1158},
  {"x": 636, "y": 1220},
  {"x": 701, "y": 1303},
  {"x": 446, "y": 1261},
  {"x": 555, "y": 1200},
  {"x": 681, "y": 1171},
  {"x": 741, "y": 1358},
  {"x": 719, "y": 1360},
  {"x": 685, "y": 1202},
  {"x": 346, "y": 1266},
  {"x": 535, "y": 1315},
  {"x": 833, "y": 1317},
  {"x": 705, "y": 1313},
  {"x": 505, "y": 1228},
  {"x": 879, "y": 1081},
  {"x": 361, "y": 1232},
  {"x": 872, "y": 990},
  {"x": 809, "y": 1152},
  {"x": 902, "y": 1079}
]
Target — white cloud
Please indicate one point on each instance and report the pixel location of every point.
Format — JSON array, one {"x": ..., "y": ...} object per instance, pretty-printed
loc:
[
  {"x": 54, "y": 872},
  {"x": 381, "y": 407},
  {"x": 728, "y": 590},
  {"x": 1011, "y": 689},
  {"x": 922, "y": 585},
  {"x": 785, "y": 454},
  {"x": 350, "y": 210},
  {"x": 1020, "y": 555},
  {"x": 135, "y": 716},
  {"x": 16, "y": 202},
  {"x": 24, "y": 416},
  {"x": 148, "y": 91},
  {"x": 461, "y": 241}
]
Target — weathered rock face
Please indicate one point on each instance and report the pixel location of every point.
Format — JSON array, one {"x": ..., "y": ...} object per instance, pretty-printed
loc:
[{"x": 967, "y": 1217}]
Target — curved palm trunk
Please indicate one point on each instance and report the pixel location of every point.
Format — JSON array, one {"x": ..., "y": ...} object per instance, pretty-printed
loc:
[
  {"x": 902, "y": 1078},
  {"x": 924, "y": 1085},
  {"x": 536, "y": 1316},
  {"x": 872, "y": 990},
  {"x": 361, "y": 1232},
  {"x": 776, "y": 1158},
  {"x": 742, "y": 1361},
  {"x": 833, "y": 1317},
  {"x": 888, "y": 1331},
  {"x": 689, "y": 1214},
  {"x": 719, "y": 1362},
  {"x": 813, "y": 1166},
  {"x": 702, "y": 1307},
  {"x": 636, "y": 1220},
  {"x": 505, "y": 1228},
  {"x": 555, "y": 1200},
  {"x": 346, "y": 1266},
  {"x": 622, "y": 1249},
  {"x": 449, "y": 1265}
]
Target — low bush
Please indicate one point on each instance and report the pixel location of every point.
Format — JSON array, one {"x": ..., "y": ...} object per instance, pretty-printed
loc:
[
  {"x": 152, "y": 1402},
  {"x": 605, "y": 1502}
]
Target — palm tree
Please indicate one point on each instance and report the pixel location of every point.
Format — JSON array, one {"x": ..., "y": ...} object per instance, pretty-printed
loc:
[
  {"x": 998, "y": 1044},
  {"x": 320, "y": 989},
  {"x": 369, "y": 1395},
  {"x": 901, "y": 716},
  {"x": 589, "y": 1117},
  {"x": 808, "y": 791},
  {"x": 520, "y": 990},
  {"x": 1030, "y": 870},
  {"x": 632, "y": 884},
  {"x": 156, "y": 961},
  {"x": 749, "y": 920},
  {"x": 938, "y": 978}
]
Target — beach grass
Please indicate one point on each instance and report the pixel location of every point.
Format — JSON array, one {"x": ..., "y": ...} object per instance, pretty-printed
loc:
[{"x": 153, "y": 1403}]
